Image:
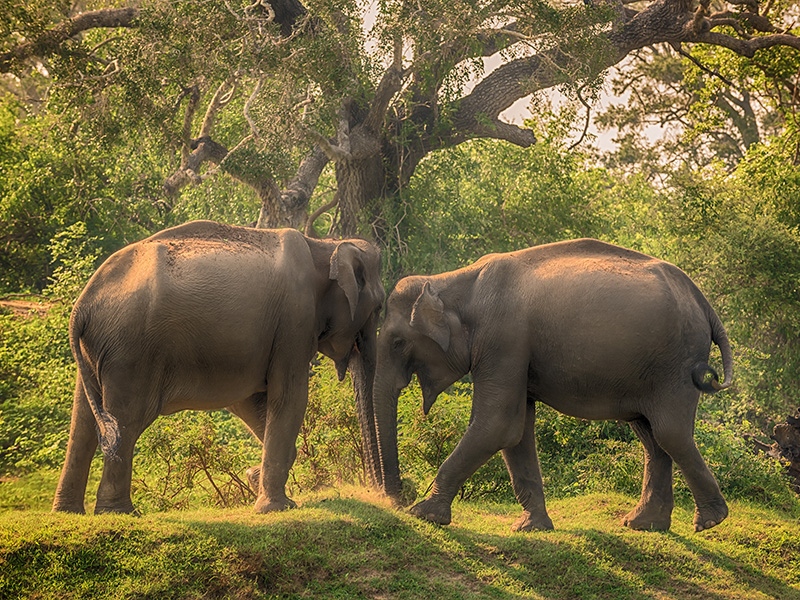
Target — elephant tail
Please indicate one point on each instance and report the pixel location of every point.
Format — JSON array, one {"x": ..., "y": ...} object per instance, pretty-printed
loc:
[
  {"x": 699, "y": 374},
  {"x": 107, "y": 426}
]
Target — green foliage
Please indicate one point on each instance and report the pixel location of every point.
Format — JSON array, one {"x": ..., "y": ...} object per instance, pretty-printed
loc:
[
  {"x": 710, "y": 106},
  {"x": 73, "y": 262},
  {"x": 37, "y": 377},
  {"x": 486, "y": 196},
  {"x": 193, "y": 458},
  {"x": 66, "y": 177},
  {"x": 329, "y": 447},
  {"x": 37, "y": 374}
]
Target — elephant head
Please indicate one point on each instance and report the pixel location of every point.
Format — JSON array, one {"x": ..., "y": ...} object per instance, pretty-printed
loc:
[
  {"x": 423, "y": 334},
  {"x": 349, "y": 319}
]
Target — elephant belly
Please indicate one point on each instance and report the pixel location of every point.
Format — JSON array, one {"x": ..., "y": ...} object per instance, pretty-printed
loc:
[
  {"x": 211, "y": 382},
  {"x": 592, "y": 408},
  {"x": 603, "y": 381}
]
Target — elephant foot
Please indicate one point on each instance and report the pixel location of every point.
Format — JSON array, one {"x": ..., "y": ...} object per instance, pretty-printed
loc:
[
  {"x": 649, "y": 517},
  {"x": 124, "y": 509},
  {"x": 433, "y": 511},
  {"x": 710, "y": 515},
  {"x": 253, "y": 475},
  {"x": 533, "y": 522},
  {"x": 266, "y": 505},
  {"x": 68, "y": 507}
]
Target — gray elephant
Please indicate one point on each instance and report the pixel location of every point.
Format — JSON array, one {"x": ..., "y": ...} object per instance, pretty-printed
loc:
[
  {"x": 593, "y": 330},
  {"x": 208, "y": 316}
]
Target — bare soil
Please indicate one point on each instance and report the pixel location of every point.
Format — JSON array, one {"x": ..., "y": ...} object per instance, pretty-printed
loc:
[{"x": 25, "y": 308}]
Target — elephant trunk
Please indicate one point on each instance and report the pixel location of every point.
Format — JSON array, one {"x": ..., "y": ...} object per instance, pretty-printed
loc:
[
  {"x": 362, "y": 371},
  {"x": 385, "y": 399}
]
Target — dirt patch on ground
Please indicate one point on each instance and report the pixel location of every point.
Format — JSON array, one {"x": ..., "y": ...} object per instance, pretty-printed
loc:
[{"x": 25, "y": 308}]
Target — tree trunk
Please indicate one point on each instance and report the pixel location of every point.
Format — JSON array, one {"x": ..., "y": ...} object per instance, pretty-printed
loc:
[
  {"x": 360, "y": 183},
  {"x": 786, "y": 447}
]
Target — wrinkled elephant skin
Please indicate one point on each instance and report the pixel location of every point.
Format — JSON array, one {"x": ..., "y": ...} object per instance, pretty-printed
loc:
[
  {"x": 207, "y": 316},
  {"x": 593, "y": 330}
]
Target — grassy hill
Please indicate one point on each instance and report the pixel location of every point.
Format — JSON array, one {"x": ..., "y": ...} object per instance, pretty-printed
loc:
[{"x": 348, "y": 544}]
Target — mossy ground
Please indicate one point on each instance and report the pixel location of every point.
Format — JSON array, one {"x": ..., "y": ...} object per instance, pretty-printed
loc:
[{"x": 350, "y": 544}]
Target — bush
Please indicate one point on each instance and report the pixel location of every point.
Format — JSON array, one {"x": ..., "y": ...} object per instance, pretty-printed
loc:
[
  {"x": 329, "y": 447},
  {"x": 194, "y": 458},
  {"x": 197, "y": 458},
  {"x": 37, "y": 378}
]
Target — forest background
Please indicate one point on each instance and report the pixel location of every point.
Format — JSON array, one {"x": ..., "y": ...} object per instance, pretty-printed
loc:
[{"x": 115, "y": 127}]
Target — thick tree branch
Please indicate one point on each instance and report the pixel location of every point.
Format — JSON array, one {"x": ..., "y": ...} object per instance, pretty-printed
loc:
[
  {"x": 662, "y": 21},
  {"x": 222, "y": 96},
  {"x": 50, "y": 41},
  {"x": 390, "y": 84},
  {"x": 298, "y": 191},
  {"x": 186, "y": 131},
  {"x": 749, "y": 47}
]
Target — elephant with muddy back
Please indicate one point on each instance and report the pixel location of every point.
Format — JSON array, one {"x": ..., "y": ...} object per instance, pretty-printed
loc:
[
  {"x": 593, "y": 330},
  {"x": 208, "y": 316}
]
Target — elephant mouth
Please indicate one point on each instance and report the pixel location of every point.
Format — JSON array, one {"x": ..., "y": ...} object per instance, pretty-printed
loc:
[
  {"x": 325, "y": 333},
  {"x": 342, "y": 363}
]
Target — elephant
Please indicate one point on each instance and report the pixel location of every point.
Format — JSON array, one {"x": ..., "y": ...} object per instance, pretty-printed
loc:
[
  {"x": 594, "y": 330},
  {"x": 208, "y": 316}
]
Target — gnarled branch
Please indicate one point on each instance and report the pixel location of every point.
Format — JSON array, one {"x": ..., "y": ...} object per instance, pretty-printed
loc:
[{"x": 50, "y": 40}]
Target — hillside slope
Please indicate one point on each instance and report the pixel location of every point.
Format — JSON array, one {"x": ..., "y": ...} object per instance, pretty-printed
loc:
[{"x": 349, "y": 545}]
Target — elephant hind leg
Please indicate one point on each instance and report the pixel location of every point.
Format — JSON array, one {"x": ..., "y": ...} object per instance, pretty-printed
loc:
[
  {"x": 654, "y": 511},
  {"x": 253, "y": 412},
  {"x": 674, "y": 432},
  {"x": 81, "y": 447},
  {"x": 134, "y": 411}
]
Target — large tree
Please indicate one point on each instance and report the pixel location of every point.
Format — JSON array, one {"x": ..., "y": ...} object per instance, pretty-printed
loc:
[{"x": 270, "y": 92}]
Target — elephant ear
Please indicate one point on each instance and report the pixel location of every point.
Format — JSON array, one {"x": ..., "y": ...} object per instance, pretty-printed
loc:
[
  {"x": 344, "y": 260},
  {"x": 428, "y": 318}
]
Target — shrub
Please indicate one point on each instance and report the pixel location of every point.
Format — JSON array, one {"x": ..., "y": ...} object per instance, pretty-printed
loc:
[
  {"x": 37, "y": 378},
  {"x": 193, "y": 457},
  {"x": 197, "y": 458},
  {"x": 329, "y": 447}
]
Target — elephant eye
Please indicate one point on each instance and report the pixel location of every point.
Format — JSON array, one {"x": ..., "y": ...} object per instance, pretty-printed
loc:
[{"x": 398, "y": 344}]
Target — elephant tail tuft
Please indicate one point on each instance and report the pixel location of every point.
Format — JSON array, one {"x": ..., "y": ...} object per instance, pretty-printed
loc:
[{"x": 108, "y": 429}]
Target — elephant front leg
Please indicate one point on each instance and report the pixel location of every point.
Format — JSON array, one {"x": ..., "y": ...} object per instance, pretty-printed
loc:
[
  {"x": 287, "y": 397},
  {"x": 654, "y": 510},
  {"x": 522, "y": 462},
  {"x": 497, "y": 422}
]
